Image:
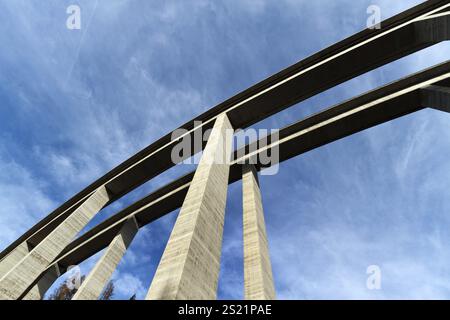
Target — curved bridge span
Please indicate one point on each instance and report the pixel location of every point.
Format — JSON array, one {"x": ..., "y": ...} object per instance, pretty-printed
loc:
[{"x": 190, "y": 263}]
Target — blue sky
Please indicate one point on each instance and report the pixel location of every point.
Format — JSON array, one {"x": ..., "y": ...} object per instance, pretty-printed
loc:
[{"x": 76, "y": 103}]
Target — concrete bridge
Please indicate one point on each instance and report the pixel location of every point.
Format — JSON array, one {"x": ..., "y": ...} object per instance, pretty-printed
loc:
[{"x": 189, "y": 266}]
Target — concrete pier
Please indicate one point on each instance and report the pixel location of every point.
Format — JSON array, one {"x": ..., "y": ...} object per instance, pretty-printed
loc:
[
  {"x": 13, "y": 258},
  {"x": 258, "y": 280},
  {"x": 95, "y": 282},
  {"x": 189, "y": 267},
  {"x": 16, "y": 282},
  {"x": 39, "y": 290}
]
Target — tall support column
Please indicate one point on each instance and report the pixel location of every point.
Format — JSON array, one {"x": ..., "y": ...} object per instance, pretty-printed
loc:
[
  {"x": 39, "y": 290},
  {"x": 13, "y": 258},
  {"x": 258, "y": 280},
  {"x": 189, "y": 267},
  {"x": 17, "y": 281},
  {"x": 95, "y": 282}
]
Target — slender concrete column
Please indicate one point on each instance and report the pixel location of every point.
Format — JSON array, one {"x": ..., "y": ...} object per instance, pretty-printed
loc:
[
  {"x": 258, "y": 281},
  {"x": 39, "y": 290},
  {"x": 189, "y": 267},
  {"x": 95, "y": 282},
  {"x": 13, "y": 258},
  {"x": 16, "y": 282}
]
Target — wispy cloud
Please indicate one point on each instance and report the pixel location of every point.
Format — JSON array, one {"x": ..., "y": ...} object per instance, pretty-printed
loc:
[
  {"x": 126, "y": 285},
  {"x": 23, "y": 199}
]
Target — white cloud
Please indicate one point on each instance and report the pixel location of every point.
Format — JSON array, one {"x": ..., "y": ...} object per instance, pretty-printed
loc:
[
  {"x": 23, "y": 200},
  {"x": 126, "y": 285}
]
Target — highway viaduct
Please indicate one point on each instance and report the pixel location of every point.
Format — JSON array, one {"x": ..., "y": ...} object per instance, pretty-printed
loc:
[{"x": 190, "y": 263}]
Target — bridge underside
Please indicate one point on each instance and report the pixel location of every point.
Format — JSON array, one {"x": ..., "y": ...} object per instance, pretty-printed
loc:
[{"x": 189, "y": 267}]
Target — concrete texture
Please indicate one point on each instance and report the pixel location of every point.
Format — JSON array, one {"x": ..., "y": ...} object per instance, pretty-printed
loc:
[
  {"x": 437, "y": 96},
  {"x": 95, "y": 282},
  {"x": 258, "y": 280},
  {"x": 189, "y": 267},
  {"x": 13, "y": 258},
  {"x": 16, "y": 283},
  {"x": 39, "y": 290}
]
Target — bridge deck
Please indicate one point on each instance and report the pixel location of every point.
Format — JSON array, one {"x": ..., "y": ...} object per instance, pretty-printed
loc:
[{"x": 375, "y": 107}]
